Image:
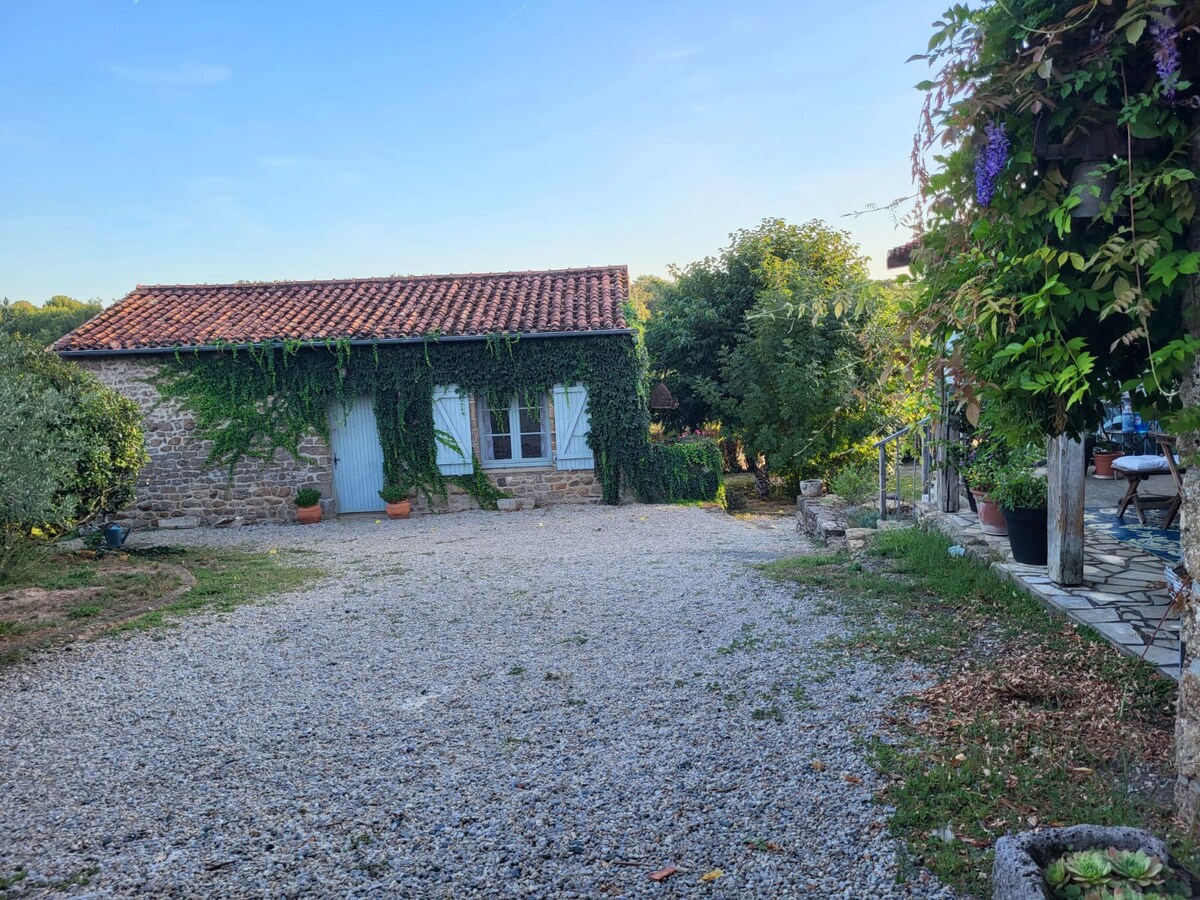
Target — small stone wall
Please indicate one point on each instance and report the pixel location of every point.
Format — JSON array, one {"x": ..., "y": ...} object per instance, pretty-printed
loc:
[
  {"x": 542, "y": 486},
  {"x": 179, "y": 481},
  {"x": 824, "y": 518}
]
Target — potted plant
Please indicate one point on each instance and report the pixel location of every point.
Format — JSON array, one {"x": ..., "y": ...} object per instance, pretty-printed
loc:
[
  {"x": 979, "y": 472},
  {"x": 1103, "y": 455},
  {"x": 395, "y": 496},
  {"x": 308, "y": 506},
  {"x": 1021, "y": 495}
]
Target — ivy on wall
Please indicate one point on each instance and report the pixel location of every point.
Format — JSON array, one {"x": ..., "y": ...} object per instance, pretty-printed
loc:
[{"x": 251, "y": 402}]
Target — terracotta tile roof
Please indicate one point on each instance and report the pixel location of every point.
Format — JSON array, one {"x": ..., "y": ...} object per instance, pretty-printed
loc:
[{"x": 360, "y": 309}]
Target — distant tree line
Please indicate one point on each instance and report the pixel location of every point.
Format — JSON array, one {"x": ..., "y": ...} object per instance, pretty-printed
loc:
[{"x": 43, "y": 325}]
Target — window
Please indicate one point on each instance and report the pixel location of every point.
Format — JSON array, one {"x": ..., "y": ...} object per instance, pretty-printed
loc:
[{"x": 517, "y": 435}]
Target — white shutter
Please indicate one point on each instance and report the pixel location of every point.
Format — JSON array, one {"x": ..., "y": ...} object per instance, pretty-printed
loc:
[
  {"x": 452, "y": 421},
  {"x": 572, "y": 423}
]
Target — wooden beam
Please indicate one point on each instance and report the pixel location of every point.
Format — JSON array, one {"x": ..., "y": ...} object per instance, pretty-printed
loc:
[
  {"x": 1064, "y": 509},
  {"x": 947, "y": 480}
]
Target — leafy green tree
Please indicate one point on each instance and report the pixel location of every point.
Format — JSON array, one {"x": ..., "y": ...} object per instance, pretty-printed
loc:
[
  {"x": 87, "y": 439},
  {"x": 38, "y": 449},
  {"x": 701, "y": 316},
  {"x": 806, "y": 387},
  {"x": 43, "y": 325},
  {"x": 646, "y": 292}
]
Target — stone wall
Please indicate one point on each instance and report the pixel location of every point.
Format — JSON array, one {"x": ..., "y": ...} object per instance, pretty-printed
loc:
[{"x": 179, "y": 481}]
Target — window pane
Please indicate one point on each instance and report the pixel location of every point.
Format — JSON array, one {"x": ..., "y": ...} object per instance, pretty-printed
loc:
[
  {"x": 531, "y": 419},
  {"x": 531, "y": 446},
  {"x": 501, "y": 447},
  {"x": 500, "y": 422}
]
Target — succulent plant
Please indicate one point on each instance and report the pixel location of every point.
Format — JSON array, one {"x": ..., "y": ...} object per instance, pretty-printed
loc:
[
  {"x": 1114, "y": 893},
  {"x": 1089, "y": 868},
  {"x": 1056, "y": 874},
  {"x": 1136, "y": 866}
]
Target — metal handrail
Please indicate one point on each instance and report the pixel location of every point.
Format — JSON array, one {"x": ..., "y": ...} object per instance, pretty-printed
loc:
[{"x": 918, "y": 489}]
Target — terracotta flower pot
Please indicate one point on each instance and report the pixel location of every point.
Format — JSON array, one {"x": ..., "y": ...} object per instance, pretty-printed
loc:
[
  {"x": 991, "y": 519},
  {"x": 308, "y": 515},
  {"x": 1104, "y": 461},
  {"x": 399, "y": 510}
]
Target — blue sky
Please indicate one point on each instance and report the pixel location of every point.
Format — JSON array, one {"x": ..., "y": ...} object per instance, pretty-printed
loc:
[{"x": 168, "y": 141}]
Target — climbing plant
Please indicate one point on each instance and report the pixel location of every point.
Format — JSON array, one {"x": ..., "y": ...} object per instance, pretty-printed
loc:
[
  {"x": 1057, "y": 160},
  {"x": 252, "y": 402}
]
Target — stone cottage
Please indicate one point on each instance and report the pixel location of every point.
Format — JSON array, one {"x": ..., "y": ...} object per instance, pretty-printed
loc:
[{"x": 533, "y": 448}]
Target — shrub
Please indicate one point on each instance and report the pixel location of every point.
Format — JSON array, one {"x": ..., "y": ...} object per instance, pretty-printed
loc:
[
  {"x": 306, "y": 497},
  {"x": 681, "y": 471},
  {"x": 854, "y": 485},
  {"x": 37, "y": 449},
  {"x": 391, "y": 493},
  {"x": 106, "y": 445},
  {"x": 70, "y": 450}
]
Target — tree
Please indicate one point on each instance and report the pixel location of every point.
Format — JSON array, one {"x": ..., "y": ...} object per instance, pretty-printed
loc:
[
  {"x": 774, "y": 339},
  {"x": 700, "y": 317},
  {"x": 87, "y": 439},
  {"x": 645, "y": 294},
  {"x": 43, "y": 325}
]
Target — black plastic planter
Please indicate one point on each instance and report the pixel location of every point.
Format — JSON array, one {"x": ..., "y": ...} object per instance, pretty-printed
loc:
[{"x": 1027, "y": 535}]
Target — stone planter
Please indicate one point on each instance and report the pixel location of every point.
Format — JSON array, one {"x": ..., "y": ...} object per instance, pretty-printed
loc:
[
  {"x": 1017, "y": 872},
  {"x": 813, "y": 487},
  {"x": 991, "y": 519}
]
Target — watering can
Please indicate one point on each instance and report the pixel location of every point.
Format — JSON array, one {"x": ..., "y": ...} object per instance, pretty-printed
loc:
[{"x": 114, "y": 536}]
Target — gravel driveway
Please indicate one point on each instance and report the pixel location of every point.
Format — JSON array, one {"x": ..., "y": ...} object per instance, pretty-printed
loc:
[{"x": 541, "y": 704}]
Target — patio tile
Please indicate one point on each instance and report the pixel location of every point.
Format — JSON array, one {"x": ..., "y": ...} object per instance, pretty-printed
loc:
[
  {"x": 1119, "y": 632},
  {"x": 1069, "y": 601},
  {"x": 1092, "y": 616},
  {"x": 1159, "y": 657},
  {"x": 1104, "y": 597}
]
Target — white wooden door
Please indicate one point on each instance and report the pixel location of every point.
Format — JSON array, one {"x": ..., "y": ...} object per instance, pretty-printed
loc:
[{"x": 357, "y": 456}]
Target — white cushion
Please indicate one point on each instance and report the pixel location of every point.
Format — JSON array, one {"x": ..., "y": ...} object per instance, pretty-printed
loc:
[{"x": 1142, "y": 465}]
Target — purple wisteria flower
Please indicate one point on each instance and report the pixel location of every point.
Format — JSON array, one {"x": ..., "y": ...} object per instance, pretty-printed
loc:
[
  {"x": 1165, "y": 35},
  {"x": 989, "y": 163}
]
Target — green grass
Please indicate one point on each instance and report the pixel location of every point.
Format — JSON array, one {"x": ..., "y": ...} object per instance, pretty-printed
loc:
[
  {"x": 225, "y": 580},
  {"x": 1022, "y": 758},
  {"x": 140, "y": 590}
]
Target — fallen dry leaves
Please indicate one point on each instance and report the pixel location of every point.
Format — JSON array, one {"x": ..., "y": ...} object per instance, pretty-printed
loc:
[{"x": 1037, "y": 694}]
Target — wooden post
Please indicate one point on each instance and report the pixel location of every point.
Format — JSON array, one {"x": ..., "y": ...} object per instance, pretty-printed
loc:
[
  {"x": 947, "y": 479},
  {"x": 926, "y": 462},
  {"x": 1064, "y": 510},
  {"x": 883, "y": 481}
]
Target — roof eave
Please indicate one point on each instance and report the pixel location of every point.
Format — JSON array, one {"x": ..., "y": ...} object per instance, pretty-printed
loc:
[{"x": 356, "y": 342}]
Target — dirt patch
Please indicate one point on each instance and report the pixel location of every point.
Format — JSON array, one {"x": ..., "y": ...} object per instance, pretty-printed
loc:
[{"x": 76, "y": 597}]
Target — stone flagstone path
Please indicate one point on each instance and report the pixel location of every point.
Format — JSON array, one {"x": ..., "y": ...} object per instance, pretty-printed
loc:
[{"x": 1124, "y": 595}]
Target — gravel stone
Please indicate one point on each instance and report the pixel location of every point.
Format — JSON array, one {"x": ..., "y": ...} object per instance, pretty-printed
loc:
[{"x": 554, "y": 704}]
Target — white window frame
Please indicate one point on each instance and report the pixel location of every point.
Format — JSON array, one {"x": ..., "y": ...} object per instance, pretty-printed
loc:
[{"x": 484, "y": 423}]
